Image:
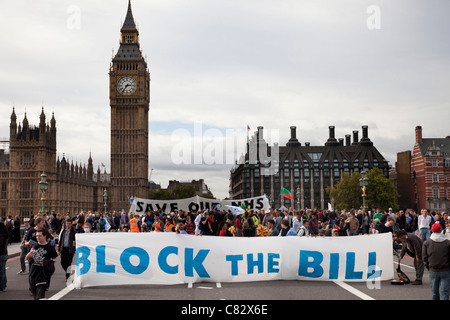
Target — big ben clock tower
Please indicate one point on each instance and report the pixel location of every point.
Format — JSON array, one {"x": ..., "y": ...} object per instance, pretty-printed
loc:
[{"x": 129, "y": 84}]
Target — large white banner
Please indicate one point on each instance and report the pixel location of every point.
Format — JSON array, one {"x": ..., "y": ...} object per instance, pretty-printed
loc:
[
  {"x": 168, "y": 258},
  {"x": 140, "y": 205}
]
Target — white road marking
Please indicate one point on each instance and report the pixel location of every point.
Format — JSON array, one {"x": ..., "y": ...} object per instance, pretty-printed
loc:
[
  {"x": 354, "y": 291},
  {"x": 218, "y": 285},
  {"x": 63, "y": 292},
  {"x": 404, "y": 265}
]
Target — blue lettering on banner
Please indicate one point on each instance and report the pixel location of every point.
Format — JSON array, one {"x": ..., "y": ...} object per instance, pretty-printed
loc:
[
  {"x": 312, "y": 260},
  {"x": 350, "y": 272},
  {"x": 82, "y": 259},
  {"x": 305, "y": 263},
  {"x": 196, "y": 263},
  {"x": 372, "y": 267},
  {"x": 162, "y": 260},
  {"x": 144, "y": 260},
  {"x": 101, "y": 261},
  {"x": 191, "y": 263},
  {"x": 334, "y": 266},
  {"x": 234, "y": 259},
  {"x": 272, "y": 263},
  {"x": 251, "y": 264},
  {"x": 310, "y": 263}
]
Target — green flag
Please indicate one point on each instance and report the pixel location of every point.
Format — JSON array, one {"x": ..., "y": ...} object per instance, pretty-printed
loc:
[{"x": 286, "y": 193}]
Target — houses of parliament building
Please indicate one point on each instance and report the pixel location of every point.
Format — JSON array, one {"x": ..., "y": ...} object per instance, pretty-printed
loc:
[{"x": 75, "y": 187}]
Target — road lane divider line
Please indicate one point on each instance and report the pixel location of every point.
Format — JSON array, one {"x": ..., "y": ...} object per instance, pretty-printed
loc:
[
  {"x": 354, "y": 291},
  {"x": 63, "y": 292}
]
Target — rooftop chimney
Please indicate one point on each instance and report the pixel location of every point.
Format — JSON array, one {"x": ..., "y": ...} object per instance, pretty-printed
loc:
[
  {"x": 348, "y": 140},
  {"x": 365, "y": 138},
  {"x": 260, "y": 133},
  {"x": 293, "y": 132},
  {"x": 331, "y": 139},
  {"x": 293, "y": 141},
  {"x": 355, "y": 137},
  {"x": 418, "y": 134}
]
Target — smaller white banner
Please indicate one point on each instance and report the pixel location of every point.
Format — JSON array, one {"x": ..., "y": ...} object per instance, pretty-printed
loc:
[{"x": 140, "y": 206}]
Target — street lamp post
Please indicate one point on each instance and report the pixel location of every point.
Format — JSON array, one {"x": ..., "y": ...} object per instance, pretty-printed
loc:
[
  {"x": 363, "y": 183},
  {"x": 105, "y": 198},
  {"x": 298, "y": 197},
  {"x": 43, "y": 186}
]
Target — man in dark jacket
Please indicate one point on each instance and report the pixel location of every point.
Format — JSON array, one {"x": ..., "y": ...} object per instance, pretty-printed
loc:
[
  {"x": 412, "y": 245},
  {"x": 436, "y": 257},
  {"x": 66, "y": 245}
]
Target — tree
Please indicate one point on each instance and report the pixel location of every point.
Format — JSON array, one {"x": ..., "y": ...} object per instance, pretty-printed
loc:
[
  {"x": 346, "y": 193},
  {"x": 380, "y": 191},
  {"x": 183, "y": 191},
  {"x": 160, "y": 194}
]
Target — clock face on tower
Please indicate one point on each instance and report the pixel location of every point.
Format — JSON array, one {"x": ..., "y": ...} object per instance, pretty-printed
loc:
[{"x": 126, "y": 85}]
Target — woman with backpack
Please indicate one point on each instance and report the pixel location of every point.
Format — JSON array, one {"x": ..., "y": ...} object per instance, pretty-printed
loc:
[{"x": 247, "y": 225}]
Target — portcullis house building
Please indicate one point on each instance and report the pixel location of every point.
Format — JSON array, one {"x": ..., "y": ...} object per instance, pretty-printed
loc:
[{"x": 302, "y": 168}]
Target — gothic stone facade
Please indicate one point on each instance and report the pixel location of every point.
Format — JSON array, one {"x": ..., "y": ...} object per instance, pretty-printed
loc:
[
  {"x": 129, "y": 100},
  {"x": 32, "y": 151}
]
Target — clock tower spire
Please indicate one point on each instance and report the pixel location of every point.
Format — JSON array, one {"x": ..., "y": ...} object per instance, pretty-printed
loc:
[
  {"x": 130, "y": 33},
  {"x": 129, "y": 84}
]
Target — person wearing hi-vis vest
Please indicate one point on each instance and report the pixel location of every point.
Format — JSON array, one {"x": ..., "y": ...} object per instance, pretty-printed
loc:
[
  {"x": 158, "y": 225},
  {"x": 134, "y": 224},
  {"x": 169, "y": 227}
]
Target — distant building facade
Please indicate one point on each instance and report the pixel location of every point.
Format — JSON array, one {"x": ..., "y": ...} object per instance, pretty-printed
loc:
[
  {"x": 430, "y": 172},
  {"x": 403, "y": 180},
  {"x": 32, "y": 151},
  {"x": 201, "y": 189},
  {"x": 304, "y": 168}
]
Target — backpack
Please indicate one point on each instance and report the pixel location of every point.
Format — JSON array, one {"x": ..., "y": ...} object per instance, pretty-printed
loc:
[
  {"x": 245, "y": 223},
  {"x": 9, "y": 225}
]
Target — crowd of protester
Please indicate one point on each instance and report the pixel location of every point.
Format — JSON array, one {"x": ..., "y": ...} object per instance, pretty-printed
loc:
[
  {"x": 58, "y": 230},
  {"x": 249, "y": 224}
]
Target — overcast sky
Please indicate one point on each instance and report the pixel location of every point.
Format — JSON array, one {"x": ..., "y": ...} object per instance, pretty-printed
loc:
[{"x": 220, "y": 65}]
